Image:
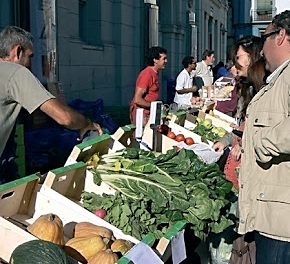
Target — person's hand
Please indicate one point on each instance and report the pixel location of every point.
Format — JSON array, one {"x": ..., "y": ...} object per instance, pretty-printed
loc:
[
  {"x": 218, "y": 146},
  {"x": 90, "y": 127},
  {"x": 234, "y": 126},
  {"x": 98, "y": 128},
  {"x": 236, "y": 152}
]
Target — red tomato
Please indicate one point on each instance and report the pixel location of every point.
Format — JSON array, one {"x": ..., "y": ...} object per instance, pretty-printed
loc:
[
  {"x": 179, "y": 137},
  {"x": 171, "y": 134},
  {"x": 189, "y": 141}
]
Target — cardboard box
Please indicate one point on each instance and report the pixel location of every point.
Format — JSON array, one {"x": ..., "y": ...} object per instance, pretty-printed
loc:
[
  {"x": 23, "y": 201},
  {"x": 101, "y": 144},
  {"x": 220, "y": 119},
  {"x": 168, "y": 143},
  {"x": 71, "y": 180}
]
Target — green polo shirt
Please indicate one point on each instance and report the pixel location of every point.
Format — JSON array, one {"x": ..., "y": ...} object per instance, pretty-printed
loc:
[{"x": 18, "y": 88}]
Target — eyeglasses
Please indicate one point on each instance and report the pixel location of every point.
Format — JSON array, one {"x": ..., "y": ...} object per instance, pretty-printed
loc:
[{"x": 266, "y": 35}]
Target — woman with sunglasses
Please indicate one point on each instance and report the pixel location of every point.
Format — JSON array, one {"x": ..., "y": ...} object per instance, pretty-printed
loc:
[{"x": 251, "y": 75}]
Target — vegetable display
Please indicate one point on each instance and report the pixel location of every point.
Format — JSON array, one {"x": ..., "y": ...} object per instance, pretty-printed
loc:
[
  {"x": 207, "y": 131},
  {"x": 89, "y": 243},
  {"x": 154, "y": 192}
]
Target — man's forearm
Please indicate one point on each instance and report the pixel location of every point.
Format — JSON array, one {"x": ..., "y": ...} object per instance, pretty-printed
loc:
[{"x": 187, "y": 90}]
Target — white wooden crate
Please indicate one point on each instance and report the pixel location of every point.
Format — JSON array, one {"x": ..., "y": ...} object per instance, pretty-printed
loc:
[{"x": 23, "y": 201}]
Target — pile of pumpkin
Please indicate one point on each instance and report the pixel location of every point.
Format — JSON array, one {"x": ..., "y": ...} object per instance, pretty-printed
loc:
[{"x": 90, "y": 244}]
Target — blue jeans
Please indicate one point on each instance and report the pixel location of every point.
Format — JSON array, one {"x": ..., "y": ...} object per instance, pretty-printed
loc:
[{"x": 271, "y": 251}]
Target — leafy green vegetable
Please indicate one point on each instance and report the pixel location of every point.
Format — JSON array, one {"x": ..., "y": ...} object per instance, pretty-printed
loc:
[{"x": 152, "y": 193}]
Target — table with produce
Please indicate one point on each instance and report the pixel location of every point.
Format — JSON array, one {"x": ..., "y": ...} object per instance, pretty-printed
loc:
[{"x": 132, "y": 200}]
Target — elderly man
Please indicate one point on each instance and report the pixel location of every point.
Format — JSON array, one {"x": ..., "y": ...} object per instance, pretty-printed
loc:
[
  {"x": 264, "y": 198},
  {"x": 20, "y": 89}
]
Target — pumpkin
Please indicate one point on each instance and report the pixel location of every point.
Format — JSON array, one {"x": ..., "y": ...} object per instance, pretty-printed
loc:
[
  {"x": 83, "y": 248},
  {"x": 122, "y": 246},
  {"x": 48, "y": 227},
  {"x": 104, "y": 257},
  {"x": 39, "y": 251},
  {"x": 84, "y": 229}
]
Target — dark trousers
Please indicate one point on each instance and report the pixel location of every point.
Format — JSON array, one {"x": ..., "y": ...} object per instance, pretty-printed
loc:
[{"x": 271, "y": 251}]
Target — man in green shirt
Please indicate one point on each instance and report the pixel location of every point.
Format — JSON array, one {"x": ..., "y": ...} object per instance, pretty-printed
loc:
[{"x": 19, "y": 88}]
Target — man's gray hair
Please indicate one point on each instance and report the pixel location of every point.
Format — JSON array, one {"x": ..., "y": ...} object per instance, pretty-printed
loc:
[{"x": 12, "y": 36}]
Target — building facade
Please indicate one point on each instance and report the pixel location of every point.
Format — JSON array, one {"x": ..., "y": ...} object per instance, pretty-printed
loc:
[
  {"x": 92, "y": 49},
  {"x": 253, "y": 16}
]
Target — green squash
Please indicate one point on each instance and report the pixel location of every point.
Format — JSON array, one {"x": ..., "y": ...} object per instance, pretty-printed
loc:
[{"x": 39, "y": 252}]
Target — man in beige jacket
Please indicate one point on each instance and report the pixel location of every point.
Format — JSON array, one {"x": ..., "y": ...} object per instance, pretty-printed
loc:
[{"x": 264, "y": 197}]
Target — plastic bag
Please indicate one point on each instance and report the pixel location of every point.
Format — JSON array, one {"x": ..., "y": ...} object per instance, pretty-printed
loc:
[{"x": 207, "y": 154}]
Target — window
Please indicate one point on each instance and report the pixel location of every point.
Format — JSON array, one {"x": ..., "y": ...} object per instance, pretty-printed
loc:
[{"x": 90, "y": 21}]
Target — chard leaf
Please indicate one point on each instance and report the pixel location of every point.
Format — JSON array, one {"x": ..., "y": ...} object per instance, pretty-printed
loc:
[
  {"x": 217, "y": 227},
  {"x": 164, "y": 179},
  {"x": 174, "y": 216},
  {"x": 96, "y": 177},
  {"x": 198, "y": 190},
  {"x": 126, "y": 163},
  {"x": 191, "y": 218},
  {"x": 131, "y": 153},
  {"x": 138, "y": 187},
  {"x": 115, "y": 211},
  {"x": 126, "y": 209},
  {"x": 165, "y": 157},
  {"x": 202, "y": 209},
  {"x": 177, "y": 203},
  {"x": 124, "y": 219}
]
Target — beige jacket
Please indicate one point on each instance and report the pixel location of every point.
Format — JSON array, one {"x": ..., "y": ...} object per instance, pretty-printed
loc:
[{"x": 264, "y": 197}]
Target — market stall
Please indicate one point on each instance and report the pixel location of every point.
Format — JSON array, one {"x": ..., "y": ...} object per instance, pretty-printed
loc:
[{"x": 144, "y": 197}]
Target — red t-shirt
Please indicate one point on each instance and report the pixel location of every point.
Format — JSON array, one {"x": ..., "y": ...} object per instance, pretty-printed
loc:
[{"x": 148, "y": 81}]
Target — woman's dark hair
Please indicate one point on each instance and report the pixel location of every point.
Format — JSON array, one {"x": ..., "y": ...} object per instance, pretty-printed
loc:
[
  {"x": 250, "y": 85},
  {"x": 154, "y": 53},
  {"x": 251, "y": 45},
  {"x": 187, "y": 60},
  {"x": 257, "y": 74}
]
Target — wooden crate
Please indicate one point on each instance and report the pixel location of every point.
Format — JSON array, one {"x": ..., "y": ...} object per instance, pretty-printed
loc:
[
  {"x": 125, "y": 135},
  {"x": 23, "y": 201},
  {"x": 100, "y": 144},
  {"x": 168, "y": 143},
  {"x": 219, "y": 119},
  {"x": 71, "y": 180}
]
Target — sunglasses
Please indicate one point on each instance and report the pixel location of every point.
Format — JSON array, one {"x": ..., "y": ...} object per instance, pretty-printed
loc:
[{"x": 266, "y": 35}]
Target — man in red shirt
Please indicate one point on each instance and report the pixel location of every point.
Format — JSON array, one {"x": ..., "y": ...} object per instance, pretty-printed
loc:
[{"x": 147, "y": 84}]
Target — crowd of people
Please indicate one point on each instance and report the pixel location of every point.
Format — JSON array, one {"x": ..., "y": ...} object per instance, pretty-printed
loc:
[{"x": 259, "y": 161}]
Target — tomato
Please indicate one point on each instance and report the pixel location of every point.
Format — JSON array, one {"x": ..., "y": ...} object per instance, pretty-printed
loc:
[
  {"x": 171, "y": 134},
  {"x": 179, "y": 137},
  {"x": 189, "y": 141}
]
